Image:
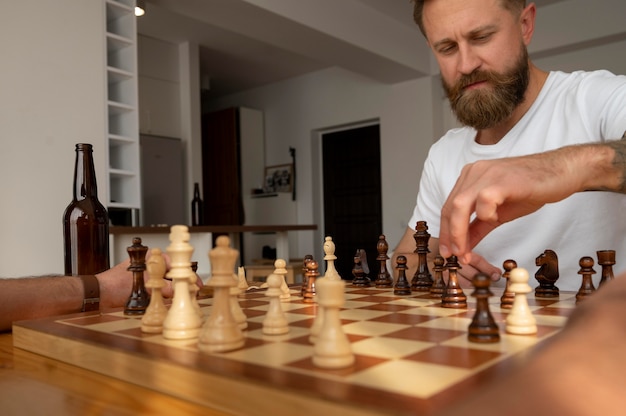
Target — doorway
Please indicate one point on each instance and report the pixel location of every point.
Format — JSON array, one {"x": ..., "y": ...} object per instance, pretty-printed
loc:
[{"x": 352, "y": 208}]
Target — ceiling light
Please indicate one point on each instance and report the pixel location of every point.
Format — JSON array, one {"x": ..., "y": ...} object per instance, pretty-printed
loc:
[{"x": 140, "y": 7}]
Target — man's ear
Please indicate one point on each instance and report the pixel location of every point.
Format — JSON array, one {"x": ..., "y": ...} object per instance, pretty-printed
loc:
[{"x": 527, "y": 21}]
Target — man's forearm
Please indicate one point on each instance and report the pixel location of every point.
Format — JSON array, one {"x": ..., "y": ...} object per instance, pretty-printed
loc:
[
  {"x": 619, "y": 161},
  {"x": 29, "y": 298},
  {"x": 608, "y": 162}
]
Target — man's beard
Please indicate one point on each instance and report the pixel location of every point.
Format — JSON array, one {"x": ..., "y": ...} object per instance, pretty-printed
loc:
[{"x": 486, "y": 107}]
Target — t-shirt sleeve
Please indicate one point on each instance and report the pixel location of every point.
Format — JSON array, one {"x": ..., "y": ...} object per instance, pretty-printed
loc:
[
  {"x": 606, "y": 97},
  {"x": 428, "y": 204}
]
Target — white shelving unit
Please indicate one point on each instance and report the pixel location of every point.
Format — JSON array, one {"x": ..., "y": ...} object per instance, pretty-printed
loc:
[{"x": 124, "y": 182}]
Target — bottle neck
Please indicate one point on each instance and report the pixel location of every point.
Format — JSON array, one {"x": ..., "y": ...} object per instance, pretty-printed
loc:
[{"x": 85, "y": 186}]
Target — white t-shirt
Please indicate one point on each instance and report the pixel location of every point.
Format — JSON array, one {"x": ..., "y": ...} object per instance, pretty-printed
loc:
[{"x": 581, "y": 107}]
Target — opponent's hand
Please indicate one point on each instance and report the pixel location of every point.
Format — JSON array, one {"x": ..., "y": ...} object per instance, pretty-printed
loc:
[
  {"x": 477, "y": 264},
  {"x": 168, "y": 290},
  {"x": 498, "y": 191}
]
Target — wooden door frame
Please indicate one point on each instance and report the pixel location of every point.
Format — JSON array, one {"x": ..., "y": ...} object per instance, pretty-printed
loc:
[{"x": 318, "y": 183}]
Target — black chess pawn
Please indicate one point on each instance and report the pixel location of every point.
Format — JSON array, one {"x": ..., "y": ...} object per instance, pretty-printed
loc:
[
  {"x": 422, "y": 280},
  {"x": 547, "y": 275},
  {"x": 439, "y": 284},
  {"x": 507, "y": 298},
  {"x": 453, "y": 296},
  {"x": 402, "y": 286},
  {"x": 359, "y": 279},
  {"x": 606, "y": 259},
  {"x": 139, "y": 298},
  {"x": 305, "y": 268},
  {"x": 311, "y": 275},
  {"x": 384, "y": 277},
  {"x": 586, "y": 270},
  {"x": 483, "y": 328}
]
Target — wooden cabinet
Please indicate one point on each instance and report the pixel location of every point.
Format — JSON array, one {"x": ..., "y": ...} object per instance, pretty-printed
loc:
[
  {"x": 123, "y": 122},
  {"x": 221, "y": 168}
]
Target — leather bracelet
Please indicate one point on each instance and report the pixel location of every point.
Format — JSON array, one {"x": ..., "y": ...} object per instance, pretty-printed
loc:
[{"x": 91, "y": 301}]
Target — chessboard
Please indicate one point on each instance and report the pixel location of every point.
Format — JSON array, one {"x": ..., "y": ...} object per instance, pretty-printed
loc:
[{"x": 411, "y": 355}]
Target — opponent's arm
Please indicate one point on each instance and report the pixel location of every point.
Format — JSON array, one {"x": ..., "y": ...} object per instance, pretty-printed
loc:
[
  {"x": 589, "y": 348},
  {"x": 36, "y": 297},
  {"x": 501, "y": 190},
  {"x": 406, "y": 247}
]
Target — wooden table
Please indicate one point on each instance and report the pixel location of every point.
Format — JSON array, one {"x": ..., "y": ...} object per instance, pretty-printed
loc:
[{"x": 31, "y": 384}]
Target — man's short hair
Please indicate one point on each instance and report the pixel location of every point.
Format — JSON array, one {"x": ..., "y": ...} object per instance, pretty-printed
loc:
[{"x": 515, "y": 6}]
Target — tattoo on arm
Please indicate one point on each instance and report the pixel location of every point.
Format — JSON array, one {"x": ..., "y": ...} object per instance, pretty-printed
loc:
[{"x": 619, "y": 162}]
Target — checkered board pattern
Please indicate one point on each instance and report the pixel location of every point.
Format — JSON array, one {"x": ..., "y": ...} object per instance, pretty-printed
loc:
[{"x": 412, "y": 355}]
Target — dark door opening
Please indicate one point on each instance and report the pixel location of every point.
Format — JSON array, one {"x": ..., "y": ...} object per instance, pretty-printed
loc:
[{"x": 352, "y": 195}]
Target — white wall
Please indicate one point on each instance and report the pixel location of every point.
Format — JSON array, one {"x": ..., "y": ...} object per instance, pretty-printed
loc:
[
  {"x": 52, "y": 81},
  {"x": 159, "y": 87},
  {"x": 611, "y": 56},
  {"x": 169, "y": 100},
  {"x": 295, "y": 109}
]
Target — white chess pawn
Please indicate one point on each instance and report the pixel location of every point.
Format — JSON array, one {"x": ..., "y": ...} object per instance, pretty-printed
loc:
[
  {"x": 152, "y": 320},
  {"x": 316, "y": 327},
  {"x": 280, "y": 269},
  {"x": 275, "y": 322},
  {"x": 182, "y": 320},
  {"x": 520, "y": 320},
  {"x": 332, "y": 348}
]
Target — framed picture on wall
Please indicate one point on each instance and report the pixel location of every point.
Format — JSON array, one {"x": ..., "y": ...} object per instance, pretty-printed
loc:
[{"x": 278, "y": 178}]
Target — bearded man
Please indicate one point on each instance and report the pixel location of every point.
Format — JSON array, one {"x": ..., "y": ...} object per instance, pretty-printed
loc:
[{"x": 511, "y": 109}]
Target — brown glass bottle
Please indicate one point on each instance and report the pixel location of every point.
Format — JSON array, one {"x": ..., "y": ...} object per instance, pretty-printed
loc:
[
  {"x": 197, "y": 207},
  {"x": 85, "y": 221}
]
